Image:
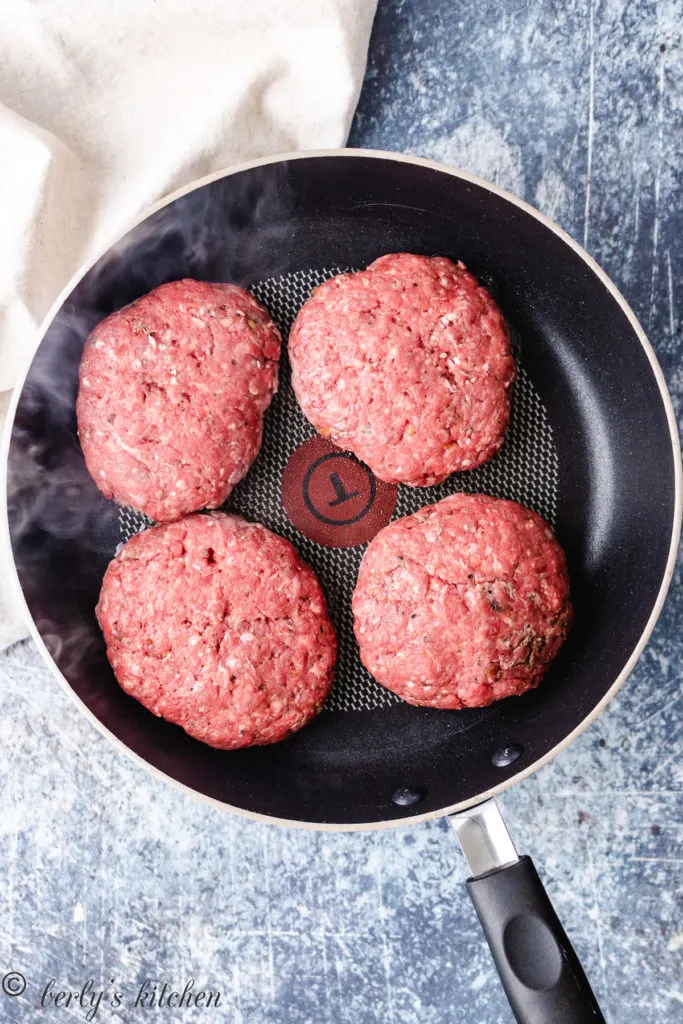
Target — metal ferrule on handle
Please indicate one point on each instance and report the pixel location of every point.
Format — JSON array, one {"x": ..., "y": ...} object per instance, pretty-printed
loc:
[{"x": 540, "y": 972}]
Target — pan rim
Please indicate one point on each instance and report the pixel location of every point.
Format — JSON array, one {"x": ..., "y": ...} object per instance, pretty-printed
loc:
[{"x": 5, "y": 537}]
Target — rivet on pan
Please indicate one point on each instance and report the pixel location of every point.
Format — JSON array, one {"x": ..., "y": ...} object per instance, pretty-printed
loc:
[
  {"x": 407, "y": 795},
  {"x": 505, "y": 756}
]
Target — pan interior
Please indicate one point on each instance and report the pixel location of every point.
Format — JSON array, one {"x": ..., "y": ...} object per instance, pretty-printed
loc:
[
  {"x": 588, "y": 448},
  {"x": 526, "y": 470}
]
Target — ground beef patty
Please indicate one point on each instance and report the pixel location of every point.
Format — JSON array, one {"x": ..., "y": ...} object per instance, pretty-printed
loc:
[
  {"x": 172, "y": 394},
  {"x": 217, "y": 625},
  {"x": 406, "y": 364},
  {"x": 463, "y": 603}
]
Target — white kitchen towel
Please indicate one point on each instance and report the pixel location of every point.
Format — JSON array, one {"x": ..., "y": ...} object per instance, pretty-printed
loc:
[{"x": 106, "y": 106}]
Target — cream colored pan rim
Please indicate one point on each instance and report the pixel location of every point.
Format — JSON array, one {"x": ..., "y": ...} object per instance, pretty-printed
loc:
[{"x": 675, "y": 447}]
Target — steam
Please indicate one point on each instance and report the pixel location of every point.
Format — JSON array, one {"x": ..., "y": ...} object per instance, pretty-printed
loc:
[{"x": 64, "y": 532}]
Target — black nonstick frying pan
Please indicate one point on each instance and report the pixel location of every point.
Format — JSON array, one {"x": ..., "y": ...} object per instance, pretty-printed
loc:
[{"x": 592, "y": 446}]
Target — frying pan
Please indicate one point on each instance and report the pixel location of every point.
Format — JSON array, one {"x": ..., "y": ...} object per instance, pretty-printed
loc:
[{"x": 592, "y": 446}]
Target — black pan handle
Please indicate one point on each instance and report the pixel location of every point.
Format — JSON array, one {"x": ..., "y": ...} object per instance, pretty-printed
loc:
[{"x": 541, "y": 973}]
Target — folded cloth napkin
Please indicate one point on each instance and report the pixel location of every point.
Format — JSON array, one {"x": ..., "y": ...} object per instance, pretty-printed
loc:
[{"x": 105, "y": 107}]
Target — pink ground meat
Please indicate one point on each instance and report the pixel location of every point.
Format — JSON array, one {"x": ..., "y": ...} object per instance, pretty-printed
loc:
[
  {"x": 406, "y": 364},
  {"x": 217, "y": 625},
  {"x": 463, "y": 603},
  {"x": 172, "y": 393}
]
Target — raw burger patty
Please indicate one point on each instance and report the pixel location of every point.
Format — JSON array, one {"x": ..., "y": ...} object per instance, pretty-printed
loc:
[
  {"x": 172, "y": 394},
  {"x": 217, "y": 625},
  {"x": 463, "y": 603},
  {"x": 406, "y": 364}
]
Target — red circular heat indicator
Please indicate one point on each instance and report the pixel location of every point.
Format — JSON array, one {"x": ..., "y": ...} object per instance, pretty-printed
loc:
[{"x": 332, "y": 498}]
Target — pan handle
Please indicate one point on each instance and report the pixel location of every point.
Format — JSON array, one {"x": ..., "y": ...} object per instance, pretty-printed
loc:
[{"x": 540, "y": 972}]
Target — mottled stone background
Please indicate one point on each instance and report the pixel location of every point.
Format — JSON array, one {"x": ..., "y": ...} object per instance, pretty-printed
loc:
[{"x": 576, "y": 106}]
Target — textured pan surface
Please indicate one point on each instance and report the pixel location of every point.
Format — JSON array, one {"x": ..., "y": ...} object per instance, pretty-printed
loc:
[
  {"x": 526, "y": 469},
  {"x": 589, "y": 403}
]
